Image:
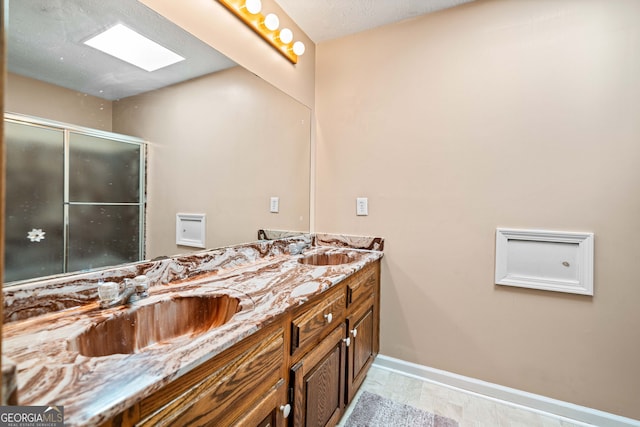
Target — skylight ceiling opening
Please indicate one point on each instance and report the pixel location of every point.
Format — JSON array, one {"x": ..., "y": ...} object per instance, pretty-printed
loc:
[{"x": 129, "y": 46}]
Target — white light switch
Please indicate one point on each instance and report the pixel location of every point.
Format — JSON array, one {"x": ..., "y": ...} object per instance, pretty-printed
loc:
[
  {"x": 275, "y": 204},
  {"x": 362, "y": 206}
]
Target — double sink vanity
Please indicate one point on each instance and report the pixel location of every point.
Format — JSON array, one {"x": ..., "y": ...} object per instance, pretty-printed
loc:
[{"x": 255, "y": 334}]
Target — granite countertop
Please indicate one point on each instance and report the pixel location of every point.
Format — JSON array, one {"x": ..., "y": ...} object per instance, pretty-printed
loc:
[{"x": 94, "y": 389}]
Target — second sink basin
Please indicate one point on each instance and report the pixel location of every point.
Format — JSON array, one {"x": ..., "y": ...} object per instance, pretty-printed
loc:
[
  {"x": 132, "y": 331},
  {"x": 326, "y": 259}
]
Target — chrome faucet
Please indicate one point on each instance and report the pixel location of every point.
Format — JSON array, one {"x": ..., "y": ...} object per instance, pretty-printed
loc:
[
  {"x": 134, "y": 290},
  {"x": 298, "y": 248}
]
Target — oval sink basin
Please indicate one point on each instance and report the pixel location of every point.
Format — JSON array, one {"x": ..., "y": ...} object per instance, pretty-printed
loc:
[
  {"x": 132, "y": 331},
  {"x": 326, "y": 259}
]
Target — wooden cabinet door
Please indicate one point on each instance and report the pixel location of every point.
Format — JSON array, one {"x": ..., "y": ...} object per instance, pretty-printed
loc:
[
  {"x": 270, "y": 410},
  {"x": 361, "y": 350},
  {"x": 317, "y": 381}
]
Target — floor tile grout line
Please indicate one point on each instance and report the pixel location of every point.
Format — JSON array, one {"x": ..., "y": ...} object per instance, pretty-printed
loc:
[{"x": 488, "y": 398}]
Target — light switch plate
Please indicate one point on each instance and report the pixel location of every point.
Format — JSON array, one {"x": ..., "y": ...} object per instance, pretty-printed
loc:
[
  {"x": 275, "y": 205},
  {"x": 362, "y": 206}
]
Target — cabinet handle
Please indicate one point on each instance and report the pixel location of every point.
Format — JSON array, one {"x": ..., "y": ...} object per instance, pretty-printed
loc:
[
  {"x": 354, "y": 332},
  {"x": 329, "y": 317},
  {"x": 347, "y": 341},
  {"x": 286, "y": 410}
]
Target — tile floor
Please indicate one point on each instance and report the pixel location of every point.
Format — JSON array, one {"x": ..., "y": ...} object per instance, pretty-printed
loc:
[{"x": 469, "y": 409}]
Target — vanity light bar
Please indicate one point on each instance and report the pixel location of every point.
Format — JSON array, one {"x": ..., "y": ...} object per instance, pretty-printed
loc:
[{"x": 249, "y": 12}]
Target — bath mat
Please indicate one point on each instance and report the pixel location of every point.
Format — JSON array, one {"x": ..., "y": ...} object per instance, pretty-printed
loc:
[{"x": 372, "y": 410}]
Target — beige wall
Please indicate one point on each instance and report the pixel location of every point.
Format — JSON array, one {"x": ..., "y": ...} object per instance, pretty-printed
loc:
[
  {"x": 222, "y": 145},
  {"x": 496, "y": 114},
  {"x": 36, "y": 98}
]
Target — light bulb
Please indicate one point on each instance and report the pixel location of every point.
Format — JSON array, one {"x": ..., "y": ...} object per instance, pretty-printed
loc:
[
  {"x": 253, "y": 6},
  {"x": 298, "y": 48},
  {"x": 272, "y": 22},
  {"x": 286, "y": 35}
]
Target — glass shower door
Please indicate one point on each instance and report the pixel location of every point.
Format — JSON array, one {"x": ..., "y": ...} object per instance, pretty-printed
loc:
[
  {"x": 74, "y": 198},
  {"x": 104, "y": 202},
  {"x": 34, "y": 213}
]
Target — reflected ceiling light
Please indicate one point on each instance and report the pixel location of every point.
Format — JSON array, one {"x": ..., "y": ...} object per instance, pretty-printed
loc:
[
  {"x": 272, "y": 22},
  {"x": 254, "y": 6},
  {"x": 127, "y": 45},
  {"x": 286, "y": 35},
  {"x": 249, "y": 12}
]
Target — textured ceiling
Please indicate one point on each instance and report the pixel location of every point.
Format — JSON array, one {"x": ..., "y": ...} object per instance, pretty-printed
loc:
[
  {"x": 45, "y": 38},
  {"x": 324, "y": 20},
  {"x": 45, "y": 41}
]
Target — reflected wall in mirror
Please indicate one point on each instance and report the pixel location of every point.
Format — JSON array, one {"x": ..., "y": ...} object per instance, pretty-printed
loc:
[{"x": 221, "y": 141}]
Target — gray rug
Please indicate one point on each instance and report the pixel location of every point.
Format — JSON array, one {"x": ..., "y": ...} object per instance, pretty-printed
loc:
[{"x": 372, "y": 410}]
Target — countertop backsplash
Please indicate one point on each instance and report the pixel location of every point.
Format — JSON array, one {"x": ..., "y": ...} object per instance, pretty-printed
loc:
[{"x": 55, "y": 293}]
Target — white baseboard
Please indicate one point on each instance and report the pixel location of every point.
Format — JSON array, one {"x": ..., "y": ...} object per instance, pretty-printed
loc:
[{"x": 508, "y": 395}]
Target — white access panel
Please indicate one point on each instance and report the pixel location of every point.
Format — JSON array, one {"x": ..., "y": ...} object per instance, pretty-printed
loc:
[
  {"x": 549, "y": 260},
  {"x": 190, "y": 230}
]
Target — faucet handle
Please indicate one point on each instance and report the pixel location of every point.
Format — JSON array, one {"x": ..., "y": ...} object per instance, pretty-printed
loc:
[
  {"x": 141, "y": 284},
  {"x": 297, "y": 248},
  {"x": 293, "y": 249},
  {"x": 108, "y": 291}
]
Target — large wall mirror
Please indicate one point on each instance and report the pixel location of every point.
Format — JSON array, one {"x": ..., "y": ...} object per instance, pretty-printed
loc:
[{"x": 219, "y": 140}]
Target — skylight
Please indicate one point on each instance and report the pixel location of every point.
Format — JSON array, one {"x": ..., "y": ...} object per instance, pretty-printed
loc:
[{"x": 127, "y": 45}]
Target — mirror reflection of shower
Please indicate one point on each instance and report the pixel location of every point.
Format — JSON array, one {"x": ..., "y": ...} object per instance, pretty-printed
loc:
[{"x": 74, "y": 198}]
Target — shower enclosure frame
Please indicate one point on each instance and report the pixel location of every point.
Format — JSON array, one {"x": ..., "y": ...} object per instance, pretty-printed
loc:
[{"x": 67, "y": 129}]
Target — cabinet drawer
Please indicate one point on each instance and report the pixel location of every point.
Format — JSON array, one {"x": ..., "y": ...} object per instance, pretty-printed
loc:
[
  {"x": 308, "y": 325},
  {"x": 362, "y": 284},
  {"x": 214, "y": 395}
]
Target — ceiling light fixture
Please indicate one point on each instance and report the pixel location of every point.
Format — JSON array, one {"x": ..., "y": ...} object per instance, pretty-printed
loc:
[
  {"x": 129, "y": 46},
  {"x": 249, "y": 12},
  {"x": 286, "y": 35},
  {"x": 271, "y": 21},
  {"x": 254, "y": 6},
  {"x": 298, "y": 48}
]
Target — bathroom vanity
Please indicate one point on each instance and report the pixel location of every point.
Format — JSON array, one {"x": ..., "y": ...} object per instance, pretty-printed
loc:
[{"x": 272, "y": 339}]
